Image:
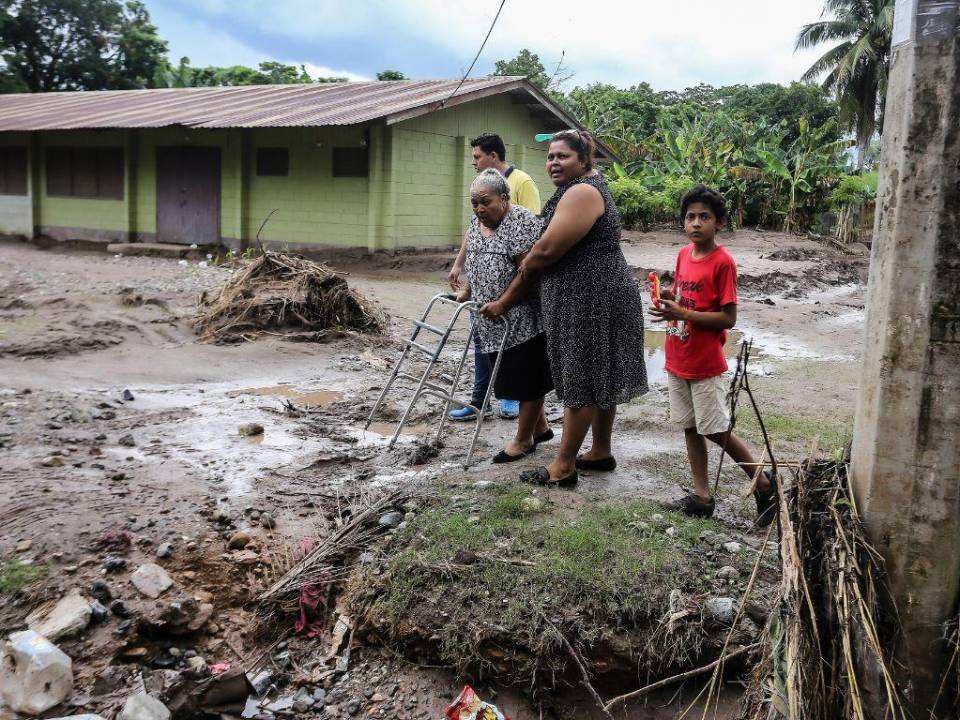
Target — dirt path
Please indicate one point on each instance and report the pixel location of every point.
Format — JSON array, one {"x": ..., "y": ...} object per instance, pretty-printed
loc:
[{"x": 79, "y": 460}]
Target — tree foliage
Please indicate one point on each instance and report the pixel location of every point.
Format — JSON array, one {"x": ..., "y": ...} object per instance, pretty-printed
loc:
[
  {"x": 268, "y": 73},
  {"x": 78, "y": 45},
  {"x": 391, "y": 75},
  {"x": 857, "y": 66}
]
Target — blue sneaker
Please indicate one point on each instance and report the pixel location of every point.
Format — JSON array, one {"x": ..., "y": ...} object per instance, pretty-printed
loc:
[
  {"x": 465, "y": 414},
  {"x": 509, "y": 409}
]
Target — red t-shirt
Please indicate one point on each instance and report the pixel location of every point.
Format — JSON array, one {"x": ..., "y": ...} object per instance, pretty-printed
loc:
[{"x": 704, "y": 284}]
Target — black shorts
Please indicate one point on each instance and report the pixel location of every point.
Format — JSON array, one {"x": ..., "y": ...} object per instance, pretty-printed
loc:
[{"x": 524, "y": 372}]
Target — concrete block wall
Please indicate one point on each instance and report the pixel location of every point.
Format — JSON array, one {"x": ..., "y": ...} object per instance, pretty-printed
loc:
[
  {"x": 432, "y": 169},
  {"x": 15, "y": 210},
  {"x": 69, "y": 217}
]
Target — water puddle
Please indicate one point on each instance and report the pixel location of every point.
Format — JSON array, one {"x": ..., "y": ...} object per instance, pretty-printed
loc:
[
  {"x": 656, "y": 358},
  {"x": 307, "y": 398}
]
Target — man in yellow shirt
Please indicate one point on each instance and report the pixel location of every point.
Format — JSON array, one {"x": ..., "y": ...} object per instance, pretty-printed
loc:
[{"x": 490, "y": 152}]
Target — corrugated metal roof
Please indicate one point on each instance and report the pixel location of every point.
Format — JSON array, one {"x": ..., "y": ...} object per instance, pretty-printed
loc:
[{"x": 252, "y": 105}]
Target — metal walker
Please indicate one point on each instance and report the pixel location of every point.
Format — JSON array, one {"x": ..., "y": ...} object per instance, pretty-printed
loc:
[{"x": 425, "y": 386}]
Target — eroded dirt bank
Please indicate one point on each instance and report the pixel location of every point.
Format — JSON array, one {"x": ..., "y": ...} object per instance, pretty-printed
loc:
[{"x": 90, "y": 472}]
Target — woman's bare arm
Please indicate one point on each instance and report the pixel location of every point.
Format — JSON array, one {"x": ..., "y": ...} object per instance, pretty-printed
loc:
[
  {"x": 516, "y": 291},
  {"x": 576, "y": 213}
]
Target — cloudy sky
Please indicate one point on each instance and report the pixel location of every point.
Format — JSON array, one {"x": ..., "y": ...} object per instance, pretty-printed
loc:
[{"x": 671, "y": 45}]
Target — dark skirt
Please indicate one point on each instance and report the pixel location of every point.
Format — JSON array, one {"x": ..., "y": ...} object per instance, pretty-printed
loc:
[{"x": 524, "y": 372}]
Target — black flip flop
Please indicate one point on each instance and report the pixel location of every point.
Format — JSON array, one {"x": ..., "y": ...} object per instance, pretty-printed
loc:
[
  {"x": 504, "y": 457},
  {"x": 541, "y": 476},
  {"x": 543, "y": 437},
  {"x": 603, "y": 465}
]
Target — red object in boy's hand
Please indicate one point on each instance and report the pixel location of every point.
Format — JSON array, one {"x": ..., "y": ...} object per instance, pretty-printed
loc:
[{"x": 654, "y": 288}]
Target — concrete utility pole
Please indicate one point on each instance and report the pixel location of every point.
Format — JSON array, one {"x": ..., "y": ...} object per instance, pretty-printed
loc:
[{"x": 905, "y": 470}]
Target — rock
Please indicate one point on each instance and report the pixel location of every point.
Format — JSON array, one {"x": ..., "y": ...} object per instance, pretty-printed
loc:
[
  {"x": 35, "y": 674},
  {"x": 164, "y": 551},
  {"x": 24, "y": 545},
  {"x": 245, "y": 557},
  {"x": 250, "y": 429},
  {"x": 143, "y": 707},
  {"x": 68, "y": 617},
  {"x": 239, "y": 540},
  {"x": 732, "y": 547},
  {"x": 353, "y": 707},
  {"x": 319, "y": 696},
  {"x": 728, "y": 572},
  {"x": 128, "y": 441},
  {"x": 267, "y": 521},
  {"x": 52, "y": 461},
  {"x": 261, "y": 682},
  {"x": 151, "y": 580},
  {"x": 483, "y": 484},
  {"x": 114, "y": 564},
  {"x": 127, "y": 396},
  {"x": 120, "y": 609},
  {"x": 530, "y": 505},
  {"x": 80, "y": 717},
  {"x": 101, "y": 590},
  {"x": 721, "y": 609},
  {"x": 391, "y": 519},
  {"x": 98, "y": 613},
  {"x": 281, "y": 704},
  {"x": 302, "y": 701}
]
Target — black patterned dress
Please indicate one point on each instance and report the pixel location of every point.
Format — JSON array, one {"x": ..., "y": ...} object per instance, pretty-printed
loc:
[{"x": 592, "y": 313}]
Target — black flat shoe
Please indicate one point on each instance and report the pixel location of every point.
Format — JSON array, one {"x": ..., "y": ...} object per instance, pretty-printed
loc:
[
  {"x": 603, "y": 465},
  {"x": 504, "y": 457},
  {"x": 694, "y": 506},
  {"x": 543, "y": 437},
  {"x": 766, "y": 501},
  {"x": 541, "y": 476}
]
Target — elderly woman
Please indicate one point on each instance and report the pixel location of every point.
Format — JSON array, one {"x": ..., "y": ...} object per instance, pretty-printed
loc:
[
  {"x": 499, "y": 236},
  {"x": 591, "y": 309}
]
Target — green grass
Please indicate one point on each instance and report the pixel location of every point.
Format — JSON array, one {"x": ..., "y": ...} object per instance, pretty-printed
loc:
[
  {"x": 14, "y": 576},
  {"x": 834, "y": 431},
  {"x": 488, "y": 570}
]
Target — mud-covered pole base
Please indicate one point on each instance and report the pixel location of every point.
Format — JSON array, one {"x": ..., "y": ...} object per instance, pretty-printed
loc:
[{"x": 905, "y": 469}]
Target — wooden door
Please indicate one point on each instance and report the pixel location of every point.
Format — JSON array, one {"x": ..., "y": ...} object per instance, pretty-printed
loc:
[{"x": 188, "y": 195}]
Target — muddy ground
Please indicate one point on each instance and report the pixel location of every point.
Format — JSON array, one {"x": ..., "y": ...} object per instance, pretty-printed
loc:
[{"x": 116, "y": 423}]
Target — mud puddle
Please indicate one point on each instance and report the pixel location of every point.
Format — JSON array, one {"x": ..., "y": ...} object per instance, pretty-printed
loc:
[{"x": 306, "y": 398}]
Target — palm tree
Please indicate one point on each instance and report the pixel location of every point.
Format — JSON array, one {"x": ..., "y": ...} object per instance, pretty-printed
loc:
[{"x": 857, "y": 67}]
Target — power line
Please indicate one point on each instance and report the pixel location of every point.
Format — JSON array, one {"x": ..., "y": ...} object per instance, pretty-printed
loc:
[{"x": 475, "y": 57}]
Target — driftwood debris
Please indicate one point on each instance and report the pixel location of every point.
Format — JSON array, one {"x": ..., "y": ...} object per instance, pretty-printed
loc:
[{"x": 279, "y": 293}]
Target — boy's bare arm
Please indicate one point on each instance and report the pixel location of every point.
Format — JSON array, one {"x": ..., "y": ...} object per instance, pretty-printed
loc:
[{"x": 724, "y": 319}]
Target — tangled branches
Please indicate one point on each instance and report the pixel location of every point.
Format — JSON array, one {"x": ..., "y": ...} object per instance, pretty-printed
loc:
[
  {"x": 284, "y": 293},
  {"x": 828, "y": 651}
]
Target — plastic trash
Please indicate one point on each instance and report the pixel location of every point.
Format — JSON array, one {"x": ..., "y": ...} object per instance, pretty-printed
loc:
[
  {"x": 35, "y": 674},
  {"x": 468, "y": 706}
]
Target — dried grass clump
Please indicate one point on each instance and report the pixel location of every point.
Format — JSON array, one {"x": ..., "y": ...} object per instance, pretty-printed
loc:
[
  {"x": 278, "y": 293},
  {"x": 828, "y": 647}
]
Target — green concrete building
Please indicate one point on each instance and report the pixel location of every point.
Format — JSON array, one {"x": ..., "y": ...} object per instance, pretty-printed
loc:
[{"x": 371, "y": 165}]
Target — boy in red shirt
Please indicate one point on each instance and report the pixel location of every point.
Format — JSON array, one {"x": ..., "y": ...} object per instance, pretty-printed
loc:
[{"x": 699, "y": 310}]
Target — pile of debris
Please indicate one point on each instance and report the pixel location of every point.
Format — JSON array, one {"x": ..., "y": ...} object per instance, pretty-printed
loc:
[
  {"x": 831, "y": 620},
  {"x": 283, "y": 294}
]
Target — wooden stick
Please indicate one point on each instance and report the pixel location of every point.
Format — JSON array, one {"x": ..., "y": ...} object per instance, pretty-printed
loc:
[
  {"x": 682, "y": 676},
  {"x": 583, "y": 670}
]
